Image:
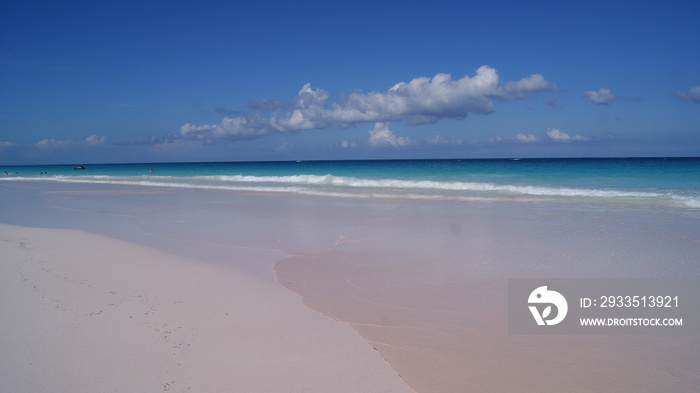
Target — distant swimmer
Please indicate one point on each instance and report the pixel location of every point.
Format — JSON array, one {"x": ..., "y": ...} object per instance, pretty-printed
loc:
[{"x": 150, "y": 170}]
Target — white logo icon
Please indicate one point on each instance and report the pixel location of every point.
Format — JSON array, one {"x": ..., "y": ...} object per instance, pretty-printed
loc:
[{"x": 542, "y": 296}]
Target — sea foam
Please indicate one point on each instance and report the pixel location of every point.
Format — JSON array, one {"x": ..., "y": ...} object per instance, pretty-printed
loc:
[{"x": 358, "y": 187}]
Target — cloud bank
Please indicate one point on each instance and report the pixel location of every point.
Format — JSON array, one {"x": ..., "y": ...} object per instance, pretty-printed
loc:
[{"x": 420, "y": 101}]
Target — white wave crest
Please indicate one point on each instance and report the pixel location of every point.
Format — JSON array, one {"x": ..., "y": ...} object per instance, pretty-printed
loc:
[
  {"x": 439, "y": 185},
  {"x": 347, "y": 186}
]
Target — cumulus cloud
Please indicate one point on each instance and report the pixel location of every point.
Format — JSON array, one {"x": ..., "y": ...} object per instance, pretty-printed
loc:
[
  {"x": 604, "y": 96},
  {"x": 381, "y": 135},
  {"x": 422, "y": 100},
  {"x": 529, "y": 138},
  {"x": 601, "y": 96},
  {"x": 94, "y": 140},
  {"x": 557, "y": 135},
  {"x": 692, "y": 95}
]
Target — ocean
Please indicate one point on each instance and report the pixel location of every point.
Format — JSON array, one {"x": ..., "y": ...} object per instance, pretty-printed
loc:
[{"x": 661, "y": 182}]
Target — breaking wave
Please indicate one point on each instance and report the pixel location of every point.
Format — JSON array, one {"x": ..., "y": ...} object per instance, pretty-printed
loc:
[{"x": 355, "y": 187}]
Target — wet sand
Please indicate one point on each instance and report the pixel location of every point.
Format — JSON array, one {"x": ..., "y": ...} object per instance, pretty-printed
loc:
[
  {"x": 424, "y": 283},
  {"x": 428, "y": 288}
]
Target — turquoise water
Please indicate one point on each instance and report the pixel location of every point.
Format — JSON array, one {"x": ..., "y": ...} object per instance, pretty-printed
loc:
[{"x": 657, "y": 181}]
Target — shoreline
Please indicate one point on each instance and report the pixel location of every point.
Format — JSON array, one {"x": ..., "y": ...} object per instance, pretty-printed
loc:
[
  {"x": 406, "y": 277},
  {"x": 454, "y": 336},
  {"x": 88, "y": 313}
]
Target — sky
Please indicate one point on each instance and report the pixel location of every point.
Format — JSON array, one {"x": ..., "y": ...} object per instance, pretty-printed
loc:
[{"x": 182, "y": 81}]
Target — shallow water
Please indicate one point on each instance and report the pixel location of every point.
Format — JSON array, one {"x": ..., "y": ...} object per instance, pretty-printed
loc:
[
  {"x": 423, "y": 281},
  {"x": 667, "y": 182}
]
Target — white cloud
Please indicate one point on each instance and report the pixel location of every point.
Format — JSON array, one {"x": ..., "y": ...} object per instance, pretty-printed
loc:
[
  {"x": 53, "y": 143},
  {"x": 519, "y": 138},
  {"x": 558, "y": 136},
  {"x": 94, "y": 140},
  {"x": 529, "y": 138},
  {"x": 381, "y": 135},
  {"x": 551, "y": 134},
  {"x": 422, "y": 100},
  {"x": 347, "y": 144},
  {"x": 440, "y": 140},
  {"x": 241, "y": 127},
  {"x": 3, "y": 143},
  {"x": 601, "y": 96},
  {"x": 692, "y": 95}
]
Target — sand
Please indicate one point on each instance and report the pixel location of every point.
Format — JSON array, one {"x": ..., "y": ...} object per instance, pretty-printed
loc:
[
  {"x": 453, "y": 337},
  {"x": 85, "y": 313},
  {"x": 406, "y": 294},
  {"x": 427, "y": 286}
]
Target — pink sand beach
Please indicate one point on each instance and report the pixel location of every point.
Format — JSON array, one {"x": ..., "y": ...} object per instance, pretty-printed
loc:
[{"x": 122, "y": 289}]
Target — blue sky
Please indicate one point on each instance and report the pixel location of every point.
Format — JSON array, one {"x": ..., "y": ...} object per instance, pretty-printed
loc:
[{"x": 128, "y": 81}]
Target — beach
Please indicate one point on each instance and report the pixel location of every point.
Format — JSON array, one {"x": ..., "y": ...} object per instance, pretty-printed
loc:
[
  {"x": 82, "y": 312},
  {"x": 118, "y": 287},
  {"x": 349, "y": 197},
  {"x": 440, "y": 315}
]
